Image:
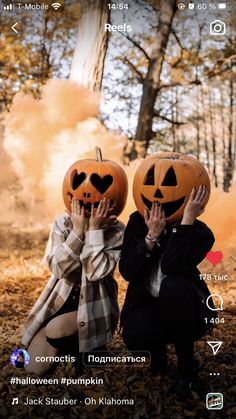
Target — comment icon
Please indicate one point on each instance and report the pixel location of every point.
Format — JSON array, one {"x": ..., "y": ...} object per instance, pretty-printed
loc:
[{"x": 218, "y": 302}]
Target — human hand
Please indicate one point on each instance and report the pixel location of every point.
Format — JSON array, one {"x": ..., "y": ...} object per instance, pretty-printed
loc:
[
  {"x": 155, "y": 220},
  {"x": 195, "y": 205},
  {"x": 77, "y": 215},
  {"x": 99, "y": 216}
]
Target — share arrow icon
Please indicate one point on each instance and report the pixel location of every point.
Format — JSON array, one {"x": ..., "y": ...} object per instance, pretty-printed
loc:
[{"x": 215, "y": 345}]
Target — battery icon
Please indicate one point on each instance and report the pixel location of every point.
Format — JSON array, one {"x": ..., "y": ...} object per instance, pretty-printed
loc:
[{"x": 221, "y": 6}]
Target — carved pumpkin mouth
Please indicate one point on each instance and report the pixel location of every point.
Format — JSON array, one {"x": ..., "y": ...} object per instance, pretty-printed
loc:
[
  {"x": 88, "y": 205},
  {"x": 169, "y": 207}
]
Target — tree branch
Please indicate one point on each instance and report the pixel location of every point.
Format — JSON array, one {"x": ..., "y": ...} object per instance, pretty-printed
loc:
[
  {"x": 179, "y": 59},
  {"x": 137, "y": 45},
  {"x": 165, "y": 118},
  {"x": 177, "y": 39},
  {"x": 174, "y": 84},
  {"x": 140, "y": 77},
  {"x": 222, "y": 66}
]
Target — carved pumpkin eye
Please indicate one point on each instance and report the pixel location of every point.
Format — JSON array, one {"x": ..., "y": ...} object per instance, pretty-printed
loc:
[
  {"x": 150, "y": 178},
  {"x": 170, "y": 178},
  {"x": 77, "y": 179},
  {"x": 101, "y": 183}
]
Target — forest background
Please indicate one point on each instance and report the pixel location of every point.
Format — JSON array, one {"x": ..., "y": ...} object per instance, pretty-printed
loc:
[{"x": 166, "y": 86}]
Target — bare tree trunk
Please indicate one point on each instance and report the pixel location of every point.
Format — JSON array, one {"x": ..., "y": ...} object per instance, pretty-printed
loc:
[
  {"x": 229, "y": 168},
  {"x": 198, "y": 123},
  {"x": 46, "y": 44},
  {"x": 205, "y": 129},
  {"x": 213, "y": 139},
  {"x": 173, "y": 128},
  {"x": 175, "y": 119},
  {"x": 88, "y": 61},
  {"x": 152, "y": 80},
  {"x": 222, "y": 105}
]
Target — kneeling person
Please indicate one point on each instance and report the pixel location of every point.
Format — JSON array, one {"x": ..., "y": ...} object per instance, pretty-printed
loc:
[{"x": 78, "y": 310}]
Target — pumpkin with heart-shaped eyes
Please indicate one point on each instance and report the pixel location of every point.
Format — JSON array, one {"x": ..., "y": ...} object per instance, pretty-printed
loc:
[
  {"x": 168, "y": 178},
  {"x": 89, "y": 181}
]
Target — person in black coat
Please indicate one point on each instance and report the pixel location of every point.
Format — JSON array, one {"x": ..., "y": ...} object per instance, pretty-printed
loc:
[{"x": 165, "y": 300}]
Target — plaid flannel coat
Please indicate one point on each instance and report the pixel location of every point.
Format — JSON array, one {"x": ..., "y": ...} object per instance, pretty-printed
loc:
[{"x": 91, "y": 265}]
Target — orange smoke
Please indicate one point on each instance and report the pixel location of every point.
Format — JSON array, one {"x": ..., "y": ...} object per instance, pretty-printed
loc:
[
  {"x": 44, "y": 137},
  {"x": 220, "y": 216},
  {"x": 33, "y": 125}
]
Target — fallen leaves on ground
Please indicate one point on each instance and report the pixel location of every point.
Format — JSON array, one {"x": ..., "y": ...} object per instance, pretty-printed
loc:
[{"x": 23, "y": 276}]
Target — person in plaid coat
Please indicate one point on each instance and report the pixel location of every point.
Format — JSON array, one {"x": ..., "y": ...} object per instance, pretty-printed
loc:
[{"x": 77, "y": 311}]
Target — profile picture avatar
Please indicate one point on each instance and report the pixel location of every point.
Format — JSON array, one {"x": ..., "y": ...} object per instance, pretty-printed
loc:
[
  {"x": 217, "y": 27},
  {"x": 20, "y": 358}
]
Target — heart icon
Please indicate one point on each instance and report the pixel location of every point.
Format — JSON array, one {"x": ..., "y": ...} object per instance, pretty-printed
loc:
[{"x": 214, "y": 257}]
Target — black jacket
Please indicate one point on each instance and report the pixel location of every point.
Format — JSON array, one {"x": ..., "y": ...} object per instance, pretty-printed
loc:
[{"x": 182, "y": 248}]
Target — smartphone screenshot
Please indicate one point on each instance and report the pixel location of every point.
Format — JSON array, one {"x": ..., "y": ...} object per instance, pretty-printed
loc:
[{"x": 117, "y": 220}]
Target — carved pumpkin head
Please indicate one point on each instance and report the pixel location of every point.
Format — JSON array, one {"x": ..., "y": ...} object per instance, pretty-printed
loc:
[
  {"x": 89, "y": 181},
  {"x": 168, "y": 178}
]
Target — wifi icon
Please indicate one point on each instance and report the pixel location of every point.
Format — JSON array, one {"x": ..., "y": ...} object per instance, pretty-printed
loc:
[{"x": 56, "y": 6}]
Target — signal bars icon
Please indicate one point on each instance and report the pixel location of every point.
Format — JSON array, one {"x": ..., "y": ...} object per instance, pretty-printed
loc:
[
  {"x": 8, "y": 7},
  {"x": 56, "y": 6}
]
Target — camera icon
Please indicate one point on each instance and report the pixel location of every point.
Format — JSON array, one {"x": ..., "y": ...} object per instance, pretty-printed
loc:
[{"x": 218, "y": 27}]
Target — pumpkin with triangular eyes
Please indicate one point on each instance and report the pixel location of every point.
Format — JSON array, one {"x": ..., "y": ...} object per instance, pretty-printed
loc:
[
  {"x": 89, "y": 181},
  {"x": 168, "y": 178}
]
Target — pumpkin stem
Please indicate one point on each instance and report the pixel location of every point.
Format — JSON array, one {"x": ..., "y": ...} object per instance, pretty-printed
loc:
[{"x": 98, "y": 152}]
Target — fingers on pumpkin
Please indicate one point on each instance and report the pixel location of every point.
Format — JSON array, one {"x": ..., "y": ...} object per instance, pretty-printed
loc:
[
  {"x": 160, "y": 211},
  {"x": 107, "y": 206},
  {"x": 163, "y": 216},
  {"x": 207, "y": 195},
  {"x": 146, "y": 215},
  {"x": 73, "y": 206},
  {"x": 82, "y": 210},
  {"x": 103, "y": 207},
  {"x": 200, "y": 195},
  {"x": 204, "y": 195},
  {"x": 157, "y": 210},
  {"x": 92, "y": 211},
  {"x": 192, "y": 195},
  {"x": 153, "y": 209},
  {"x": 79, "y": 208},
  {"x": 99, "y": 207}
]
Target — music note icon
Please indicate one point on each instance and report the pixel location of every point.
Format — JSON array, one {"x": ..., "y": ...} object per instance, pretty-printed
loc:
[{"x": 15, "y": 400}]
